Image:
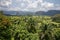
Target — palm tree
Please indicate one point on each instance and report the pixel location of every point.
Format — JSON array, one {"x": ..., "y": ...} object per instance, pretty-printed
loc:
[
  {"x": 46, "y": 33},
  {"x": 31, "y": 26}
]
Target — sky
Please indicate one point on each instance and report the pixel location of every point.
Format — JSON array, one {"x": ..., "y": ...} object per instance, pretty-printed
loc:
[{"x": 29, "y": 5}]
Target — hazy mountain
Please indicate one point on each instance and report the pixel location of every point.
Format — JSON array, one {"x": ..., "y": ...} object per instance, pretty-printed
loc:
[
  {"x": 40, "y": 13},
  {"x": 49, "y": 12},
  {"x": 53, "y": 12},
  {"x": 18, "y": 13}
]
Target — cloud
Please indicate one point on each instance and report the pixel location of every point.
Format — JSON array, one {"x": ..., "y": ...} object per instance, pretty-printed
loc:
[
  {"x": 5, "y": 2},
  {"x": 14, "y": 9},
  {"x": 34, "y": 4},
  {"x": 47, "y": 4},
  {"x": 27, "y": 5},
  {"x": 17, "y": 9},
  {"x": 57, "y": 7},
  {"x": 40, "y": 5}
]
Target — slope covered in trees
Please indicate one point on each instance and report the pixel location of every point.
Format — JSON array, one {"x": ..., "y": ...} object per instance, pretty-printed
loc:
[
  {"x": 56, "y": 18},
  {"x": 28, "y": 28}
]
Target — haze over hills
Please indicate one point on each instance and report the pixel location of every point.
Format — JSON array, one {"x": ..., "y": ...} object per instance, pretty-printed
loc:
[{"x": 49, "y": 12}]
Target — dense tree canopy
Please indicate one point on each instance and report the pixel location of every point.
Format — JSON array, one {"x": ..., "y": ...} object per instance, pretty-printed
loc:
[
  {"x": 29, "y": 28},
  {"x": 56, "y": 18}
]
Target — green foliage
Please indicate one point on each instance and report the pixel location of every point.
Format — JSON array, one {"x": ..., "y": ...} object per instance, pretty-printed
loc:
[
  {"x": 28, "y": 28},
  {"x": 5, "y": 28},
  {"x": 56, "y": 18},
  {"x": 31, "y": 26}
]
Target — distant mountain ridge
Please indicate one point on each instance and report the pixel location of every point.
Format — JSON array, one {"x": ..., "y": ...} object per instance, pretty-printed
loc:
[
  {"x": 49, "y": 12},
  {"x": 17, "y": 12}
]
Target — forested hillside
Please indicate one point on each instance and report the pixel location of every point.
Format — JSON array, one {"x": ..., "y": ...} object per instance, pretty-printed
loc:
[
  {"x": 29, "y": 28},
  {"x": 56, "y": 18}
]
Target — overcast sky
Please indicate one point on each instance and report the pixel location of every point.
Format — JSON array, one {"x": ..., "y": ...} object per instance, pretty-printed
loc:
[{"x": 29, "y": 5}]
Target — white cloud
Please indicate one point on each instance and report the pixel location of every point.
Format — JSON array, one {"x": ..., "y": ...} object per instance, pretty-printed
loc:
[
  {"x": 40, "y": 5},
  {"x": 14, "y": 9},
  {"x": 22, "y": 4},
  {"x": 40, "y": 1},
  {"x": 28, "y": 1},
  {"x": 57, "y": 7},
  {"x": 34, "y": 4},
  {"x": 25, "y": 9},
  {"x": 5, "y": 2},
  {"x": 28, "y": 5},
  {"x": 47, "y": 4}
]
